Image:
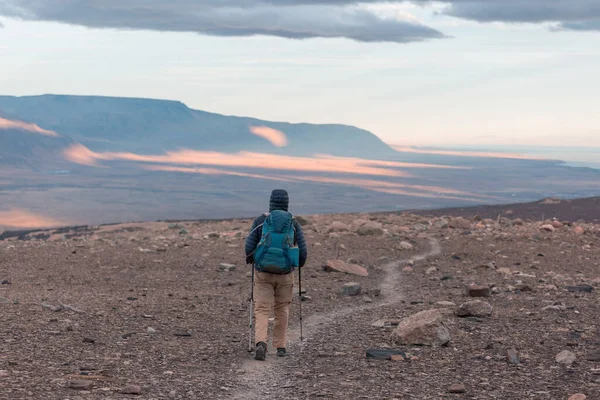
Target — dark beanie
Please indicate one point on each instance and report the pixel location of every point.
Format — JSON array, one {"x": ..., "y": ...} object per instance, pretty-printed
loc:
[{"x": 279, "y": 200}]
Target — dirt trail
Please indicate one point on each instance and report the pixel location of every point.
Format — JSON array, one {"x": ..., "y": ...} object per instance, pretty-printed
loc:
[{"x": 262, "y": 379}]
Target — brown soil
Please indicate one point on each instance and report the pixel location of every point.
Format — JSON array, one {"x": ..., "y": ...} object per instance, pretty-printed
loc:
[{"x": 117, "y": 282}]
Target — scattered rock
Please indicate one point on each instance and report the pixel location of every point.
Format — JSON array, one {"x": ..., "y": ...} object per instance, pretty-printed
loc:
[
  {"x": 580, "y": 288},
  {"x": 81, "y": 385},
  {"x": 557, "y": 224},
  {"x": 457, "y": 388},
  {"x": 406, "y": 246},
  {"x": 301, "y": 220},
  {"x": 151, "y": 330},
  {"x": 460, "y": 223},
  {"x": 3, "y": 373},
  {"x": 513, "y": 357},
  {"x": 547, "y": 228},
  {"x": 384, "y": 354},
  {"x": 338, "y": 227},
  {"x": 430, "y": 270},
  {"x": 578, "y": 230},
  {"x": 424, "y": 328},
  {"x": 595, "y": 356},
  {"x": 504, "y": 270},
  {"x": 370, "y": 229},
  {"x": 420, "y": 227},
  {"x": 578, "y": 396},
  {"x": 478, "y": 291},
  {"x": 475, "y": 308},
  {"x": 446, "y": 304},
  {"x": 226, "y": 267},
  {"x": 341, "y": 266},
  {"x": 518, "y": 222},
  {"x": 351, "y": 289},
  {"x": 441, "y": 223},
  {"x": 566, "y": 357},
  {"x": 132, "y": 389}
]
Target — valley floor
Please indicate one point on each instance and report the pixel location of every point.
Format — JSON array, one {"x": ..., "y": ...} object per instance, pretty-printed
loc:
[{"x": 151, "y": 305}]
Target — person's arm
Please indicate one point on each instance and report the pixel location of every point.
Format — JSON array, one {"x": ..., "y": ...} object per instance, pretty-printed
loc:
[
  {"x": 301, "y": 244},
  {"x": 253, "y": 239}
]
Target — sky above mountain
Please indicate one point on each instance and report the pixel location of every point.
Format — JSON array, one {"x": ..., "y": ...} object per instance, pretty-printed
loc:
[{"x": 511, "y": 72}]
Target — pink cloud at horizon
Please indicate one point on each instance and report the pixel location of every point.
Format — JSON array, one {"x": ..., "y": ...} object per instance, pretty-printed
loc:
[
  {"x": 277, "y": 138},
  {"x": 21, "y": 219},
  {"x": 82, "y": 155},
  {"x": 372, "y": 185},
  {"x": 465, "y": 153},
  {"x": 33, "y": 128}
]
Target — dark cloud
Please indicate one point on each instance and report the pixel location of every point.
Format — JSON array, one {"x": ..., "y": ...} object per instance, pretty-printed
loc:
[
  {"x": 535, "y": 11},
  {"x": 580, "y": 26},
  {"x": 283, "y": 18}
]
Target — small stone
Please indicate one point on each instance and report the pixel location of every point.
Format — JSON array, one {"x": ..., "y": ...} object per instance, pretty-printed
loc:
[
  {"x": 566, "y": 357},
  {"x": 132, "y": 389},
  {"x": 151, "y": 330},
  {"x": 557, "y": 224},
  {"x": 226, "y": 267},
  {"x": 475, "y": 308},
  {"x": 340, "y": 266},
  {"x": 547, "y": 228},
  {"x": 81, "y": 385},
  {"x": 407, "y": 269},
  {"x": 338, "y": 227},
  {"x": 513, "y": 357},
  {"x": 446, "y": 304},
  {"x": 580, "y": 288},
  {"x": 441, "y": 224},
  {"x": 351, "y": 289},
  {"x": 370, "y": 229},
  {"x": 3, "y": 373},
  {"x": 5, "y": 282},
  {"x": 504, "y": 270},
  {"x": 478, "y": 291},
  {"x": 578, "y": 230},
  {"x": 457, "y": 388},
  {"x": 430, "y": 270},
  {"x": 425, "y": 328},
  {"x": 578, "y": 396},
  {"x": 460, "y": 223},
  {"x": 595, "y": 356},
  {"x": 406, "y": 246}
]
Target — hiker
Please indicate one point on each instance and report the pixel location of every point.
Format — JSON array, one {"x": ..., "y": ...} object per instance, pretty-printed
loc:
[{"x": 274, "y": 255}]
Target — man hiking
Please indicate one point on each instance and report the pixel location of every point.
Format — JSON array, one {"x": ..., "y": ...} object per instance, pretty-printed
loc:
[{"x": 274, "y": 247}]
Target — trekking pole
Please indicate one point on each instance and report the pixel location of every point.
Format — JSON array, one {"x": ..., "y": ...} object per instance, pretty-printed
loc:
[
  {"x": 250, "y": 344},
  {"x": 300, "y": 297}
]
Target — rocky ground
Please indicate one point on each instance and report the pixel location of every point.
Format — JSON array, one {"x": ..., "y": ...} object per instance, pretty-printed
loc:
[{"x": 160, "y": 311}]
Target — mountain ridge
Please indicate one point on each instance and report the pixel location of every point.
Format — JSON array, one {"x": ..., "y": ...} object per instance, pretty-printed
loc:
[{"x": 107, "y": 123}]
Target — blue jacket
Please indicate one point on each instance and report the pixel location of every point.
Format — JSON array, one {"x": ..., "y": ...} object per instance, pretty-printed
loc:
[{"x": 256, "y": 232}]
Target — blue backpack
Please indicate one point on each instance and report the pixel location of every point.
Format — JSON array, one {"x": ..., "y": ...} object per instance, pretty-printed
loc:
[{"x": 276, "y": 252}]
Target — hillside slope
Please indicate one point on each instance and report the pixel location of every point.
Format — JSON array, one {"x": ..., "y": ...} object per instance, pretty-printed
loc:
[{"x": 147, "y": 125}]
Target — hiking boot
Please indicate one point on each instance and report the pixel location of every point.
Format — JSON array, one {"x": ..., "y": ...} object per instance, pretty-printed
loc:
[
  {"x": 261, "y": 351},
  {"x": 281, "y": 352}
]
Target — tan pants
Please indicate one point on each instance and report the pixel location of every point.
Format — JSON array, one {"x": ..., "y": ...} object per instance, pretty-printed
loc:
[{"x": 272, "y": 291}]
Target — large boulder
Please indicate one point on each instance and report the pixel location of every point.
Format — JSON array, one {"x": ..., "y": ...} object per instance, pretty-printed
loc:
[
  {"x": 370, "y": 228},
  {"x": 425, "y": 328}
]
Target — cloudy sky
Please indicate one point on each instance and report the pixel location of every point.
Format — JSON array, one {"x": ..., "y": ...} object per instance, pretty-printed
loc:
[{"x": 459, "y": 72}]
